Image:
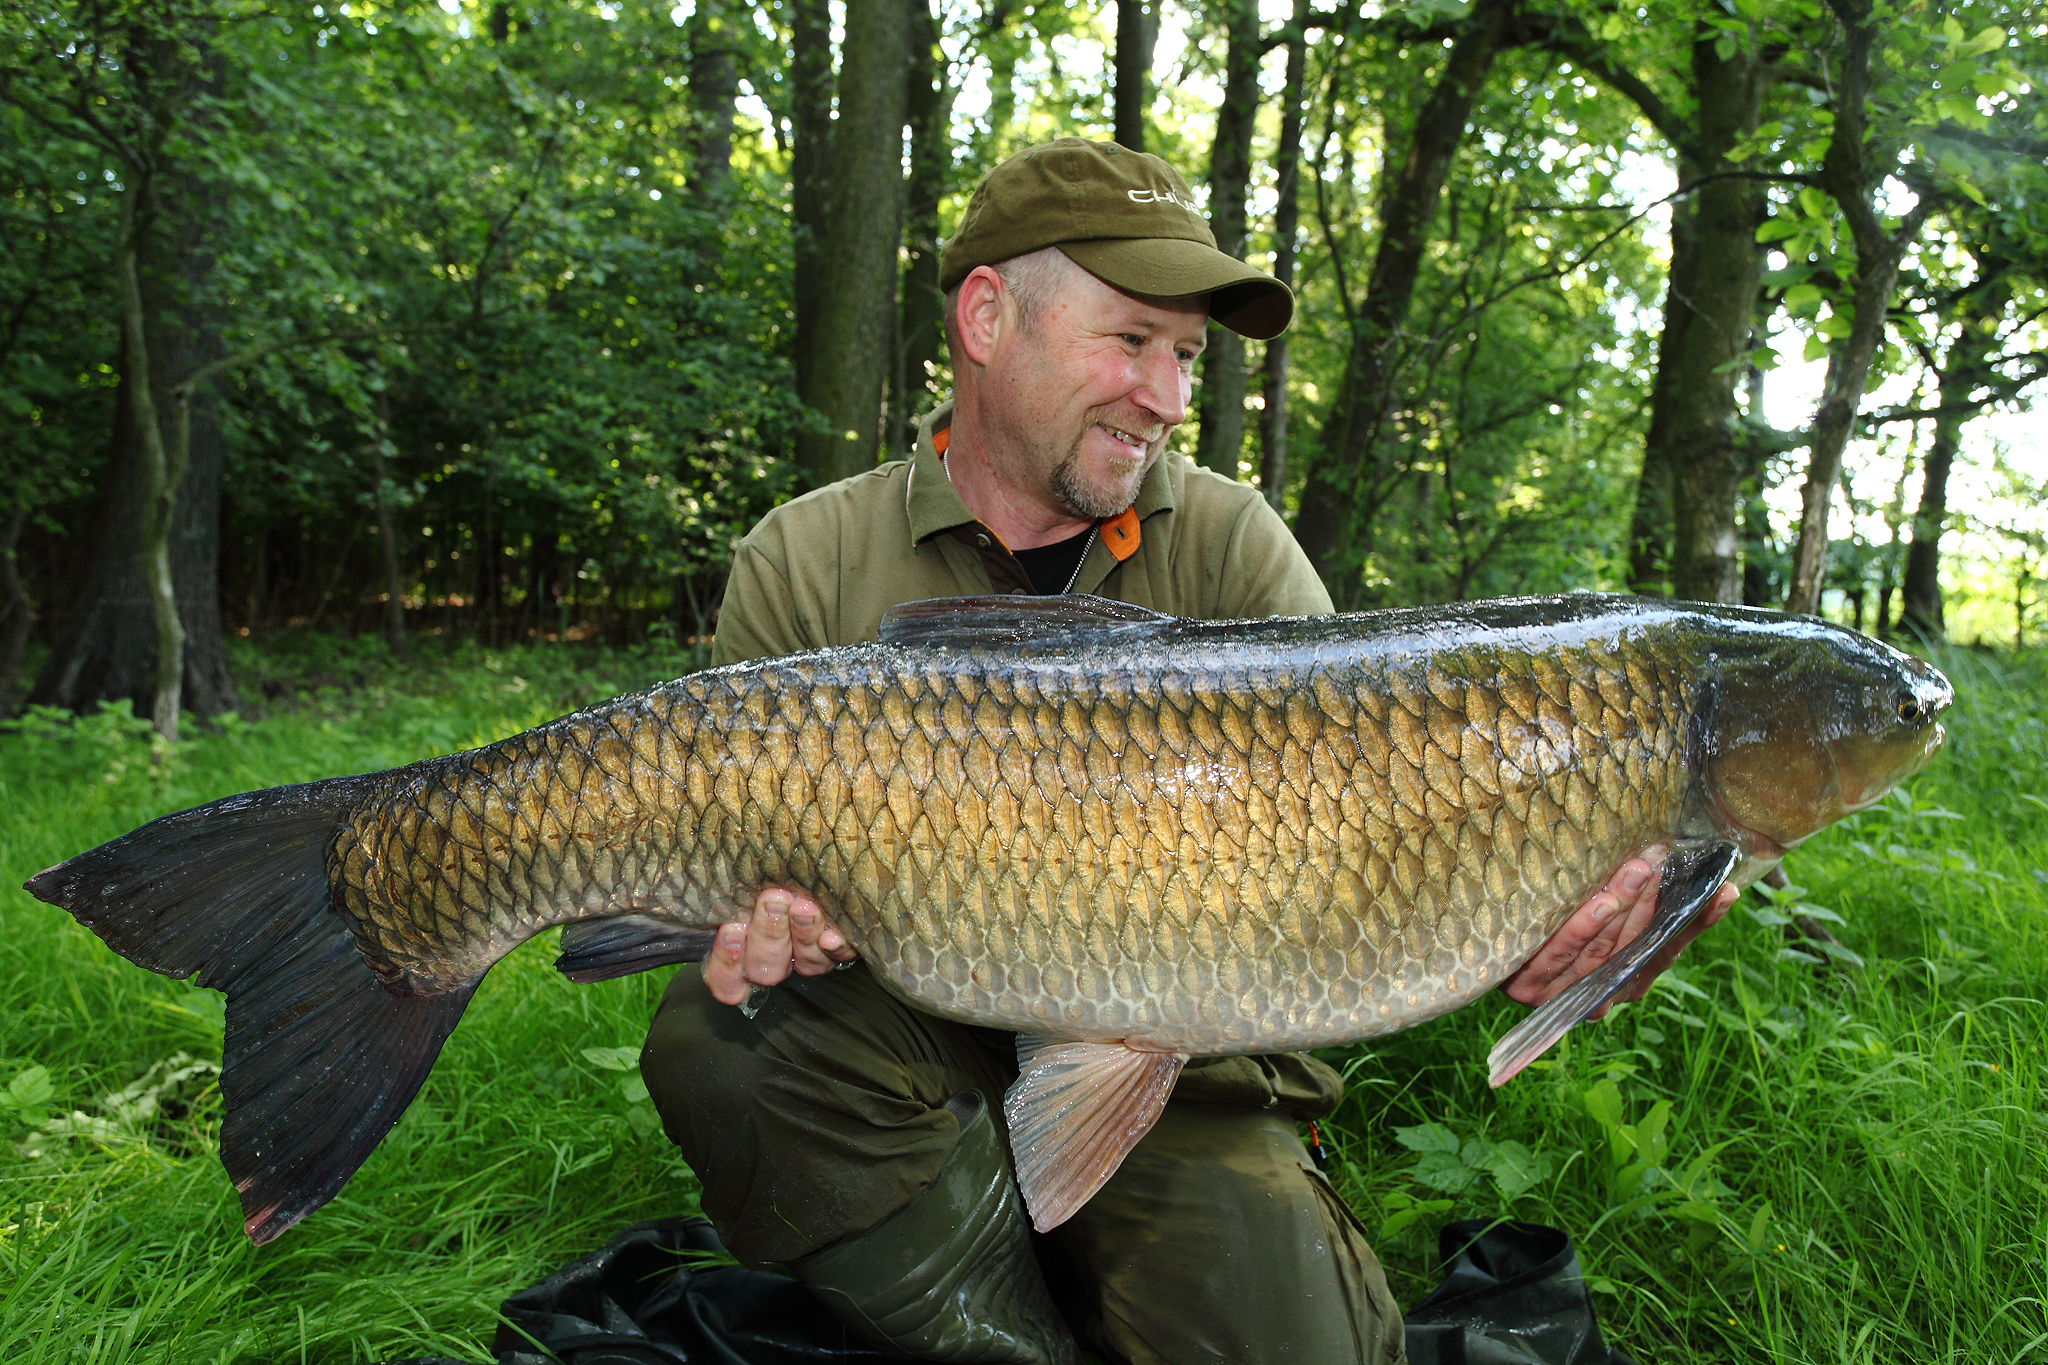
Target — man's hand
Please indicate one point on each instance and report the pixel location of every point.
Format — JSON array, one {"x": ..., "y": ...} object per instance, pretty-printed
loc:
[
  {"x": 787, "y": 929},
  {"x": 1605, "y": 924}
]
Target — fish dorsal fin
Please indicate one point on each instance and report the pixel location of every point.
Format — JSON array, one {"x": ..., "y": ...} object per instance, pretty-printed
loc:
[
  {"x": 1075, "y": 1112},
  {"x": 1692, "y": 872},
  {"x": 965, "y": 622}
]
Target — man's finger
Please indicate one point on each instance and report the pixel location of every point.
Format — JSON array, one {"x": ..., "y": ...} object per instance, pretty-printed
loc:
[
  {"x": 769, "y": 951},
  {"x": 1588, "y": 938},
  {"x": 818, "y": 947},
  {"x": 725, "y": 965}
]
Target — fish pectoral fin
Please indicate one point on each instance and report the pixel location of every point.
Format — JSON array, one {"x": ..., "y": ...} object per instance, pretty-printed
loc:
[
  {"x": 1692, "y": 873},
  {"x": 965, "y": 622},
  {"x": 1075, "y": 1112},
  {"x": 600, "y": 949}
]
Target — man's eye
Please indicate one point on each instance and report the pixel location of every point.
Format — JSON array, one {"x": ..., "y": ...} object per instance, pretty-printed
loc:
[
  {"x": 1133, "y": 340},
  {"x": 1187, "y": 357}
]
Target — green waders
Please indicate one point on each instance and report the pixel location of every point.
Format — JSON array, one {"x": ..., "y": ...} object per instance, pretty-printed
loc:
[{"x": 814, "y": 1122}]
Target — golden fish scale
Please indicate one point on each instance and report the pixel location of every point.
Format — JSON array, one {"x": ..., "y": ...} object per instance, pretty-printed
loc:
[{"x": 1211, "y": 855}]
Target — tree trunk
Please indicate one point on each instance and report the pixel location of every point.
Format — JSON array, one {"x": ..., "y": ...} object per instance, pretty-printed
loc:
[
  {"x": 1330, "y": 501},
  {"x": 111, "y": 642},
  {"x": 856, "y": 306},
  {"x": 1702, "y": 438},
  {"x": 1286, "y": 223},
  {"x": 810, "y": 167},
  {"x": 1137, "y": 34},
  {"x": 921, "y": 326},
  {"x": 163, "y": 469},
  {"x": 387, "y": 546},
  {"x": 714, "y": 85},
  {"x": 1851, "y": 180},
  {"x": 17, "y": 609},
  {"x": 1220, "y": 442}
]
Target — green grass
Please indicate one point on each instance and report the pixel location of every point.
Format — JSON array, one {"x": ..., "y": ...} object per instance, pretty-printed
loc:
[{"x": 1769, "y": 1160}]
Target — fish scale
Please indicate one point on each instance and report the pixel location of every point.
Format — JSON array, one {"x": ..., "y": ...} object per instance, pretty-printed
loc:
[
  {"x": 1127, "y": 838},
  {"x": 1230, "y": 801}
]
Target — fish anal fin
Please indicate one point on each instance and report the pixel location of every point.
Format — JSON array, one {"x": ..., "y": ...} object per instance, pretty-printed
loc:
[
  {"x": 1692, "y": 872},
  {"x": 968, "y": 622},
  {"x": 598, "y": 950},
  {"x": 1075, "y": 1112}
]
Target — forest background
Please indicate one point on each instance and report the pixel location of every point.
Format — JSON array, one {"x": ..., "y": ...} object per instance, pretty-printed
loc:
[
  {"x": 503, "y": 322},
  {"x": 356, "y": 358}
]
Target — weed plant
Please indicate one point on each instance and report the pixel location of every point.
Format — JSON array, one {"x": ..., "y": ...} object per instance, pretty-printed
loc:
[{"x": 1791, "y": 1152}]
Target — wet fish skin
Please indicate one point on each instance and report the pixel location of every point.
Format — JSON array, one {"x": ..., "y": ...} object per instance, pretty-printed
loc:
[
  {"x": 1132, "y": 839},
  {"x": 1216, "y": 837}
]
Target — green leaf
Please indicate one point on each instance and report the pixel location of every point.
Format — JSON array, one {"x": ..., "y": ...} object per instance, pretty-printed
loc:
[
  {"x": 613, "y": 1058},
  {"x": 1444, "y": 1171},
  {"x": 633, "y": 1088},
  {"x": 1777, "y": 229},
  {"x": 1988, "y": 39},
  {"x": 1976, "y": 195},
  {"x": 1801, "y": 298},
  {"x": 1516, "y": 1169},
  {"x": 1759, "y": 1229},
  {"x": 1813, "y": 203},
  {"x": 1428, "y": 1137},
  {"x": 1816, "y": 348},
  {"x": 1605, "y": 1104},
  {"x": 28, "y": 1095}
]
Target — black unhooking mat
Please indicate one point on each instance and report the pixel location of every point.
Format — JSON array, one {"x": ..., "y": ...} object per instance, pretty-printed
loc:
[
  {"x": 1513, "y": 1296},
  {"x": 647, "y": 1298}
]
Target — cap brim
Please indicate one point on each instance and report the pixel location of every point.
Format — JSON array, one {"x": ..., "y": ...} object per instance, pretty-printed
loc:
[{"x": 1247, "y": 301}]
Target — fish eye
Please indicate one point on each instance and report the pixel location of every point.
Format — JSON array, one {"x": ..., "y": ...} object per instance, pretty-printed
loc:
[{"x": 1909, "y": 708}]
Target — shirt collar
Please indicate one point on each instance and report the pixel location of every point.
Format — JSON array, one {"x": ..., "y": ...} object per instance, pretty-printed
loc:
[{"x": 935, "y": 506}]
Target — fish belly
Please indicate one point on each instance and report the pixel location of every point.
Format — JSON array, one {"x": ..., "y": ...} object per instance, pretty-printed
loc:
[{"x": 1199, "y": 851}]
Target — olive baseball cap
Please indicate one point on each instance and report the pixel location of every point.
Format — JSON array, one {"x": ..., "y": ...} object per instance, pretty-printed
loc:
[{"x": 1120, "y": 215}]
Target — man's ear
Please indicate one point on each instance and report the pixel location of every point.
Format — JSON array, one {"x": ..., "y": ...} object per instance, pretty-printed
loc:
[{"x": 984, "y": 311}]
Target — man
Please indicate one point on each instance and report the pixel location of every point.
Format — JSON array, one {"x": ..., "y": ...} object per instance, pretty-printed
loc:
[{"x": 859, "y": 1141}]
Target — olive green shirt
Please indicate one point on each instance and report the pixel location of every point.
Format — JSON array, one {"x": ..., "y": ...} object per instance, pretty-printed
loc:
[{"x": 822, "y": 569}]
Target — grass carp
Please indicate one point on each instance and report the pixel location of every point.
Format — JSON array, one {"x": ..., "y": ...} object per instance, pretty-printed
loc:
[{"x": 1132, "y": 839}]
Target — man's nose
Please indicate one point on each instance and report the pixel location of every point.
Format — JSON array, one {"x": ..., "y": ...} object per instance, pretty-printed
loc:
[{"x": 1163, "y": 386}]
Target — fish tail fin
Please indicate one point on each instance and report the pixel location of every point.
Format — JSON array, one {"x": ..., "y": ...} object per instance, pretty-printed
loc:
[{"x": 320, "y": 1058}]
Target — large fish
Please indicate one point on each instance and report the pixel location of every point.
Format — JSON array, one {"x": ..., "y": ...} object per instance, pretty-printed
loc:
[{"x": 1130, "y": 838}]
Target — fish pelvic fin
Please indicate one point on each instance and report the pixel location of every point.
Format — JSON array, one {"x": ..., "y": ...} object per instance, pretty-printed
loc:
[
  {"x": 1075, "y": 1111},
  {"x": 598, "y": 950},
  {"x": 1693, "y": 871},
  {"x": 319, "y": 1058}
]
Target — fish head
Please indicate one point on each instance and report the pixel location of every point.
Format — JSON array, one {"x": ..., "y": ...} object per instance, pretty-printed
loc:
[{"x": 1808, "y": 722}]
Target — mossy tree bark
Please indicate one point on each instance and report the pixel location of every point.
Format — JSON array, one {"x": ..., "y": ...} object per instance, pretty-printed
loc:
[
  {"x": 1220, "y": 440},
  {"x": 1852, "y": 176},
  {"x": 1286, "y": 225},
  {"x": 1137, "y": 34},
  {"x": 849, "y": 347},
  {"x": 920, "y": 329},
  {"x": 1333, "y": 505}
]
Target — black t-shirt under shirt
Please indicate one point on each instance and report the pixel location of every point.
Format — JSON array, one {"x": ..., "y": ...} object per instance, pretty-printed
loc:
[{"x": 1051, "y": 567}]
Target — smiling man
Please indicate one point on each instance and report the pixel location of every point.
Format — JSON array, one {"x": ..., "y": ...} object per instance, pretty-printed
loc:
[{"x": 859, "y": 1141}]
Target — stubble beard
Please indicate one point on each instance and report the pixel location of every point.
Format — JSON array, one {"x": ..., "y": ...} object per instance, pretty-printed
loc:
[{"x": 1097, "y": 499}]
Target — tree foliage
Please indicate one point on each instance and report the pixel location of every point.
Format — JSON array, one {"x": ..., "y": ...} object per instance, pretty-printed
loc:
[{"x": 507, "y": 319}]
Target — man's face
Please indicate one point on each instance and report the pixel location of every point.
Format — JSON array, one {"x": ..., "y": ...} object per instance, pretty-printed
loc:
[{"x": 1089, "y": 389}]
